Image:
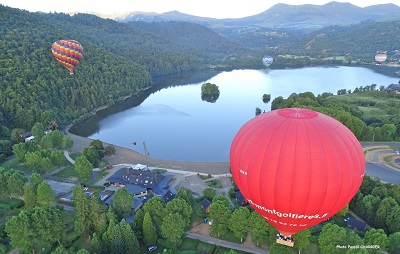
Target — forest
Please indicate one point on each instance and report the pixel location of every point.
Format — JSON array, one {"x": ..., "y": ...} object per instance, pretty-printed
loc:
[{"x": 119, "y": 60}]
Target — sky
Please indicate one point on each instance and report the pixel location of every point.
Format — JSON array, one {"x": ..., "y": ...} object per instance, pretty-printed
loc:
[{"x": 202, "y": 8}]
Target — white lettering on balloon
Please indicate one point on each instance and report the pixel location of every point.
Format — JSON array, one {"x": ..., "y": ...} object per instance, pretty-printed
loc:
[{"x": 286, "y": 215}]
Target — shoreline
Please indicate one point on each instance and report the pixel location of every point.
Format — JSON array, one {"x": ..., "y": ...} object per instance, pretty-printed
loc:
[{"x": 127, "y": 156}]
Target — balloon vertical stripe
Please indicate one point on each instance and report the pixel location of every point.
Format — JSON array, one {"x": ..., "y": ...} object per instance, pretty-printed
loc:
[{"x": 68, "y": 53}]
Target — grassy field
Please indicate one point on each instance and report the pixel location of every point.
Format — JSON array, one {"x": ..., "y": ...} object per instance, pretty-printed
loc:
[
  {"x": 14, "y": 163},
  {"x": 214, "y": 183},
  {"x": 66, "y": 172},
  {"x": 371, "y": 103}
]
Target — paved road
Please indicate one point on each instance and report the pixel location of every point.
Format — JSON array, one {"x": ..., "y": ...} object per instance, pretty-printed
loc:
[
  {"x": 376, "y": 169},
  {"x": 226, "y": 244}
]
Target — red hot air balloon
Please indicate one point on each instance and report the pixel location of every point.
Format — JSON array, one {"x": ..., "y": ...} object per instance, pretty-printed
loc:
[
  {"x": 296, "y": 167},
  {"x": 67, "y": 53}
]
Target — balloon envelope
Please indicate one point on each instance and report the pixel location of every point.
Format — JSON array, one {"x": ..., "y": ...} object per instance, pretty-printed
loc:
[
  {"x": 296, "y": 167},
  {"x": 68, "y": 53},
  {"x": 380, "y": 57},
  {"x": 267, "y": 60}
]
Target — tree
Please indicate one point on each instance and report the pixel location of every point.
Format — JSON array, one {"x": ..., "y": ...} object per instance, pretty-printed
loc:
[
  {"x": 155, "y": 207},
  {"x": 138, "y": 223},
  {"x": 302, "y": 239},
  {"x": 331, "y": 236},
  {"x": 260, "y": 230},
  {"x": 186, "y": 195},
  {"x": 67, "y": 143},
  {"x": 83, "y": 168},
  {"x": 30, "y": 197},
  {"x": 4, "y": 176},
  {"x": 122, "y": 203},
  {"x": 276, "y": 248},
  {"x": 209, "y": 193},
  {"x": 35, "y": 180},
  {"x": 82, "y": 212},
  {"x": 122, "y": 239},
  {"x": 266, "y": 98},
  {"x": 238, "y": 222},
  {"x": 60, "y": 250},
  {"x": 110, "y": 150},
  {"x": 344, "y": 211},
  {"x": 230, "y": 252},
  {"x": 53, "y": 140},
  {"x": 223, "y": 200},
  {"x": 45, "y": 195},
  {"x": 384, "y": 209},
  {"x": 149, "y": 233},
  {"x": 33, "y": 230},
  {"x": 92, "y": 155},
  {"x": 38, "y": 131},
  {"x": 394, "y": 243},
  {"x": 96, "y": 244},
  {"x": 82, "y": 251},
  {"x": 180, "y": 206},
  {"x": 97, "y": 144},
  {"x": 220, "y": 215},
  {"x": 393, "y": 220},
  {"x": 376, "y": 237},
  {"x": 97, "y": 214},
  {"x": 173, "y": 228},
  {"x": 16, "y": 182}
]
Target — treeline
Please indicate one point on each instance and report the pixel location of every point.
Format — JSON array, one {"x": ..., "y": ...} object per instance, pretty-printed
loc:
[
  {"x": 378, "y": 204},
  {"x": 358, "y": 41},
  {"x": 348, "y": 113}
]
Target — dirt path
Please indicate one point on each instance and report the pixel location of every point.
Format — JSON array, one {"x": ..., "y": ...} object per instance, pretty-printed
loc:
[{"x": 128, "y": 156}]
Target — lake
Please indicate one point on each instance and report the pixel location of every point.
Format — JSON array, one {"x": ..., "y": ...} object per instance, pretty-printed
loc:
[{"x": 174, "y": 123}]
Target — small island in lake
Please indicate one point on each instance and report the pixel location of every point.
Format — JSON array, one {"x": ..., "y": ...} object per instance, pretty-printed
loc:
[{"x": 209, "y": 92}]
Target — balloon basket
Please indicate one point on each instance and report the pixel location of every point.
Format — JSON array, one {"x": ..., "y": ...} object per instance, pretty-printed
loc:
[{"x": 285, "y": 242}]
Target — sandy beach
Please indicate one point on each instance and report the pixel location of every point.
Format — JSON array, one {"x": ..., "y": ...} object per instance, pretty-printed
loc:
[{"x": 128, "y": 156}]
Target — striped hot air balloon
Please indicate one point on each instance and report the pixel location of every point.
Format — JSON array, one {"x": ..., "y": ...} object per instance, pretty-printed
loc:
[{"x": 67, "y": 53}]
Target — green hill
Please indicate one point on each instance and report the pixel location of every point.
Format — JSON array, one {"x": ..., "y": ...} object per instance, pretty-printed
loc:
[{"x": 119, "y": 60}]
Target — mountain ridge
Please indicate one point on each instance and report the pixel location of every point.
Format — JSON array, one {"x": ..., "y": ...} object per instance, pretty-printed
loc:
[{"x": 283, "y": 16}]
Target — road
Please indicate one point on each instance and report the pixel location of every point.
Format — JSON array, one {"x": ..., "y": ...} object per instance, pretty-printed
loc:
[
  {"x": 226, "y": 244},
  {"x": 375, "y": 168}
]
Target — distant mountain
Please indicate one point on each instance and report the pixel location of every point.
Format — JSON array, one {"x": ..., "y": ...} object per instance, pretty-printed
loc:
[{"x": 286, "y": 16}]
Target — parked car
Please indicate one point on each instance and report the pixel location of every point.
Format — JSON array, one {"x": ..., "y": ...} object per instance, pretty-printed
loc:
[{"x": 152, "y": 248}]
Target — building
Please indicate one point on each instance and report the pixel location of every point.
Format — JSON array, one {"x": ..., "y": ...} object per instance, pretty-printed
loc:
[
  {"x": 240, "y": 198},
  {"x": 27, "y": 136},
  {"x": 151, "y": 181},
  {"x": 356, "y": 224},
  {"x": 140, "y": 182},
  {"x": 168, "y": 196},
  {"x": 205, "y": 205}
]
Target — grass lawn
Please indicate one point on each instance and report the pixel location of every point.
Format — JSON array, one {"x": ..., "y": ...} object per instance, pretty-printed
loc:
[
  {"x": 205, "y": 248},
  {"x": 101, "y": 175},
  {"x": 14, "y": 163},
  {"x": 188, "y": 244},
  {"x": 9, "y": 208},
  {"x": 214, "y": 183},
  {"x": 382, "y": 108},
  {"x": 198, "y": 213},
  {"x": 159, "y": 170},
  {"x": 312, "y": 248},
  {"x": 229, "y": 236},
  {"x": 204, "y": 177},
  {"x": 66, "y": 172}
]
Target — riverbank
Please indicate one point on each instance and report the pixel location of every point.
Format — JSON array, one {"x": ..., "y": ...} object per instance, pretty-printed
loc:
[{"x": 127, "y": 156}]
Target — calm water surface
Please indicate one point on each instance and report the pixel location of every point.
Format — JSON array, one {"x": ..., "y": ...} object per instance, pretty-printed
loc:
[{"x": 176, "y": 124}]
